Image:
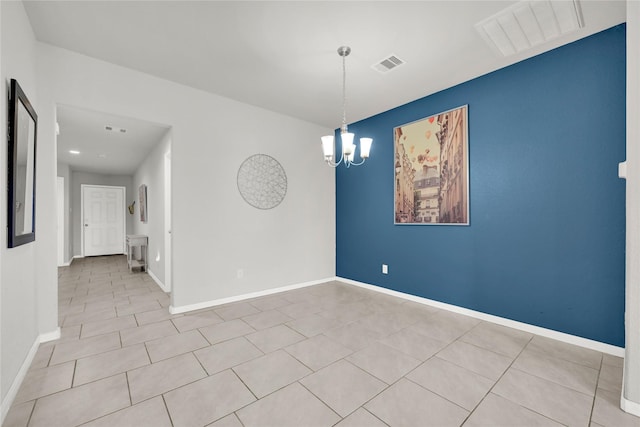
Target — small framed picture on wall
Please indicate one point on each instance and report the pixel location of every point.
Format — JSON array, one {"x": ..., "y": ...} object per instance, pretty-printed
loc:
[{"x": 143, "y": 202}]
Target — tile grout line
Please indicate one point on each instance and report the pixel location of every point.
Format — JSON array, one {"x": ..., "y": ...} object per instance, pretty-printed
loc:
[
  {"x": 248, "y": 388},
  {"x": 33, "y": 408},
  {"x": 166, "y": 408},
  {"x": 503, "y": 374},
  {"x": 318, "y": 397},
  {"x": 126, "y": 375},
  {"x": 498, "y": 380},
  {"x": 387, "y": 386},
  {"x": 548, "y": 357},
  {"x": 595, "y": 392},
  {"x": 73, "y": 374}
]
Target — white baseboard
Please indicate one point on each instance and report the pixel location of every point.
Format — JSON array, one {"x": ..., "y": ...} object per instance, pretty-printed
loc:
[
  {"x": 213, "y": 303},
  {"x": 50, "y": 336},
  {"x": 158, "y": 281},
  {"x": 549, "y": 333},
  {"x": 627, "y": 405},
  {"x": 17, "y": 381},
  {"x": 22, "y": 372},
  {"x": 630, "y": 407}
]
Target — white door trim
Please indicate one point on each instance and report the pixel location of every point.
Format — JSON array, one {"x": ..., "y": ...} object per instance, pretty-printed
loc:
[
  {"x": 168, "y": 252},
  {"x": 124, "y": 203},
  {"x": 60, "y": 214}
]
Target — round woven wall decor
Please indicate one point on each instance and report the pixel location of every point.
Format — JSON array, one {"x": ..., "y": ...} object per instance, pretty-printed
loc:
[{"x": 262, "y": 181}]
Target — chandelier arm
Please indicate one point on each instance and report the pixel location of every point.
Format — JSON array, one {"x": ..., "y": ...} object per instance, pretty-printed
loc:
[
  {"x": 335, "y": 164},
  {"x": 359, "y": 163}
]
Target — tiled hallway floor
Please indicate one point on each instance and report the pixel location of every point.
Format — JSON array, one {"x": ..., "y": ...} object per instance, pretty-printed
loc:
[{"x": 325, "y": 355}]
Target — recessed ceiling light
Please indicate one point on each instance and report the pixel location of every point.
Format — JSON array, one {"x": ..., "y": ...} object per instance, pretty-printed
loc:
[
  {"x": 102, "y": 156},
  {"x": 115, "y": 129},
  {"x": 74, "y": 152}
]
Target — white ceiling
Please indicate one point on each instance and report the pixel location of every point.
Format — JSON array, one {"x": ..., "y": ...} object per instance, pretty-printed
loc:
[
  {"x": 281, "y": 55},
  {"x": 104, "y": 151}
]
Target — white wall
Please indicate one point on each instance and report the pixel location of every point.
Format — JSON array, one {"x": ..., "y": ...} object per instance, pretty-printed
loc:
[
  {"x": 80, "y": 178},
  {"x": 19, "y": 303},
  {"x": 151, "y": 173},
  {"x": 28, "y": 272},
  {"x": 214, "y": 231}
]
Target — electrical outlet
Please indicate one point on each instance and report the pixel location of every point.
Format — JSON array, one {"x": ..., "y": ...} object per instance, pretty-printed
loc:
[
  {"x": 385, "y": 269},
  {"x": 240, "y": 273}
]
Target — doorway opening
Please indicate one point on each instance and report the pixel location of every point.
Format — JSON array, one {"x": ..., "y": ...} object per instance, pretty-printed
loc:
[{"x": 99, "y": 150}]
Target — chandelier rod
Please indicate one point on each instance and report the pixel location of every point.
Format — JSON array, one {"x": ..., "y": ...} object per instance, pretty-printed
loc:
[{"x": 344, "y": 51}]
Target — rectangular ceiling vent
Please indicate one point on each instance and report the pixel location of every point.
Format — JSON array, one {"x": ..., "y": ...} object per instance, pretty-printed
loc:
[
  {"x": 529, "y": 23},
  {"x": 387, "y": 64}
]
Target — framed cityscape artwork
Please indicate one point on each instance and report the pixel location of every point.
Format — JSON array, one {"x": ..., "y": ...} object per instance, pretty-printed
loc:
[{"x": 432, "y": 170}]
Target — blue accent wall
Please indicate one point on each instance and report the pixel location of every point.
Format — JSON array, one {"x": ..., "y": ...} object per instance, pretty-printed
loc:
[{"x": 545, "y": 244}]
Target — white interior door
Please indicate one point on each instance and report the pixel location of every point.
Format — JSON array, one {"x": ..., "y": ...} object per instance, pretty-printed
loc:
[
  {"x": 103, "y": 225},
  {"x": 61, "y": 230}
]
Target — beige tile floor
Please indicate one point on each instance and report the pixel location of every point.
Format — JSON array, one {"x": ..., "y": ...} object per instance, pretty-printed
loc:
[{"x": 325, "y": 355}]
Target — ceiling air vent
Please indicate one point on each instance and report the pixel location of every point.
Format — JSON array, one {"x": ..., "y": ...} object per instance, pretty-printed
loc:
[
  {"x": 529, "y": 23},
  {"x": 387, "y": 64}
]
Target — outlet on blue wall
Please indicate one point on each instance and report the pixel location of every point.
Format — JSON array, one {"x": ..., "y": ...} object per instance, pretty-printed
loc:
[{"x": 545, "y": 244}]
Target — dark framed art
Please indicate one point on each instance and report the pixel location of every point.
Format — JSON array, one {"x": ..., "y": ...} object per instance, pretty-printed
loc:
[{"x": 23, "y": 130}]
